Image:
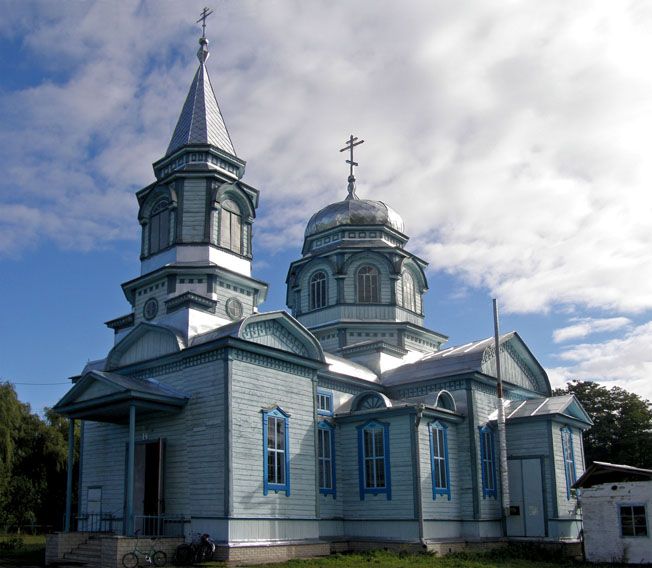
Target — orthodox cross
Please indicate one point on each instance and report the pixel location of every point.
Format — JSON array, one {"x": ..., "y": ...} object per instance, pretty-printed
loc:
[
  {"x": 204, "y": 14},
  {"x": 350, "y": 144}
]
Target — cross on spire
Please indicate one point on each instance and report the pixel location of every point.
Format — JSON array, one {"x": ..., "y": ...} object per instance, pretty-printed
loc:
[
  {"x": 351, "y": 143},
  {"x": 204, "y": 14}
]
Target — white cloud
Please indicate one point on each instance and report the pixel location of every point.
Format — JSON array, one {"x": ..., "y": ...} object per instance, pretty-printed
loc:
[
  {"x": 587, "y": 326},
  {"x": 624, "y": 362},
  {"x": 513, "y": 139}
]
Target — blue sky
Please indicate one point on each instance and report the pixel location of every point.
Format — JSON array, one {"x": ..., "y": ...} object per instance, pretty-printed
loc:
[{"x": 513, "y": 138}]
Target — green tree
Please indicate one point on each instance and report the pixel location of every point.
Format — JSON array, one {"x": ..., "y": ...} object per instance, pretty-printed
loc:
[
  {"x": 33, "y": 458},
  {"x": 622, "y": 430}
]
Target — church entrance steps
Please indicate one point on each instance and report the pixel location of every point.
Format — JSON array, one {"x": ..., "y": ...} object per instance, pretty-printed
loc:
[
  {"x": 92, "y": 550},
  {"x": 88, "y": 553}
]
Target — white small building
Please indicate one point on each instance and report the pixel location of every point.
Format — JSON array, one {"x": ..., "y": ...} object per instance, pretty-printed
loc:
[{"x": 616, "y": 501}]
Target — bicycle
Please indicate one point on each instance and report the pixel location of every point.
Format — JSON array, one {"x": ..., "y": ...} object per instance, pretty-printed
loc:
[
  {"x": 201, "y": 549},
  {"x": 152, "y": 556}
]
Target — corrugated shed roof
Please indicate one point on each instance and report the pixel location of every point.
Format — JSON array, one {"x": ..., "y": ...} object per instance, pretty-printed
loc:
[
  {"x": 201, "y": 121},
  {"x": 451, "y": 361},
  {"x": 565, "y": 405},
  {"x": 605, "y": 472}
]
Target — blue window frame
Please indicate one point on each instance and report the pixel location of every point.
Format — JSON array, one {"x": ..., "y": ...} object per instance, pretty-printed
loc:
[
  {"x": 569, "y": 458},
  {"x": 324, "y": 402},
  {"x": 488, "y": 462},
  {"x": 441, "y": 484},
  {"x": 326, "y": 458},
  {"x": 373, "y": 459},
  {"x": 276, "y": 451}
]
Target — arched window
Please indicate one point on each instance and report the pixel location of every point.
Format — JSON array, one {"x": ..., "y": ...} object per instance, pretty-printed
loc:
[
  {"x": 231, "y": 226},
  {"x": 368, "y": 292},
  {"x": 159, "y": 226},
  {"x": 318, "y": 290},
  {"x": 409, "y": 297}
]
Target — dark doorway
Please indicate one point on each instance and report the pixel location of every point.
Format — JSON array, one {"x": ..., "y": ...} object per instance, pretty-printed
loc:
[{"x": 149, "y": 503}]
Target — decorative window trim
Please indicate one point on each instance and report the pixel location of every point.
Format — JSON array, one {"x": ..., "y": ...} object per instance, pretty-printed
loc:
[
  {"x": 568, "y": 455},
  {"x": 446, "y": 488},
  {"x": 277, "y": 413},
  {"x": 387, "y": 490},
  {"x": 327, "y": 426},
  {"x": 634, "y": 526},
  {"x": 488, "y": 460},
  {"x": 318, "y": 290},
  {"x": 326, "y": 394}
]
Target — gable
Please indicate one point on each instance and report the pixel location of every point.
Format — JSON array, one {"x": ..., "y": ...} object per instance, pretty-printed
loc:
[
  {"x": 281, "y": 331},
  {"x": 96, "y": 390},
  {"x": 146, "y": 341},
  {"x": 518, "y": 366}
]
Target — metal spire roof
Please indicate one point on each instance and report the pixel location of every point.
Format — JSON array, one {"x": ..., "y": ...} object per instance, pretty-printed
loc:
[{"x": 201, "y": 121}]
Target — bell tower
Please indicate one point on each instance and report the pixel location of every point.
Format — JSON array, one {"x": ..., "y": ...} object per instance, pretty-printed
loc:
[{"x": 196, "y": 225}]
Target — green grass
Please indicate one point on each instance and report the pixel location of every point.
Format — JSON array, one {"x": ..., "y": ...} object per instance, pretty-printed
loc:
[
  {"x": 22, "y": 550},
  {"x": 512, "y": 557}
]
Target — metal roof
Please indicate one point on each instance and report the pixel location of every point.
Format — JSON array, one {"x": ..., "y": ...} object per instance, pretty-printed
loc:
[
  {"x": 149, "y": 386},
  {"x": 566, "y": 405},
  {"x": 201, "y": 121},
  {"x": 346, "y": 367},
  {"x": 605, "y": 472},
  {"x": 451, "y": 361},
  {"x": 354, "y": 212}
]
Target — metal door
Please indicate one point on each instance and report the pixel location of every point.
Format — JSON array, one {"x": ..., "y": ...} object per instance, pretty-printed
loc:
[{"x": 526, "y": 498}]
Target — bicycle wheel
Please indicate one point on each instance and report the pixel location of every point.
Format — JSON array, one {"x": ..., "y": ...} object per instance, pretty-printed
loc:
[
  {"x": 159, "y": 558},
  {"x": 183, "y": 555},
  {"x": 130, "y": 560},
  {"x": 205, "y": 553}
]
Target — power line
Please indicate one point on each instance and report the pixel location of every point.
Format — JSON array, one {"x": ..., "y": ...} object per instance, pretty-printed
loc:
[{"x": 33, "y": 384}]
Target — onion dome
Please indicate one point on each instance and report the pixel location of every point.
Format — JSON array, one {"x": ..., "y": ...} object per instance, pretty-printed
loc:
[{"x": 354, "y": 212}]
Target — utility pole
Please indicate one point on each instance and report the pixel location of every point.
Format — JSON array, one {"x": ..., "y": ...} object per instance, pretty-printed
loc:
[{"x": 502, "y": 435}]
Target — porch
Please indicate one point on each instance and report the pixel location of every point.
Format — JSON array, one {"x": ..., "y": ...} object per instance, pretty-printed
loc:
[{"x": 109, "y": 397}]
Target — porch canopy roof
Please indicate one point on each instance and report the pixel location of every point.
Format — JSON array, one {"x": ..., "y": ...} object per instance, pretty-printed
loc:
[{"x": 107, "y": 397}]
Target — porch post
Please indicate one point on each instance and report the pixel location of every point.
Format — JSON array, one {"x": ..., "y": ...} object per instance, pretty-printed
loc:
[
  {"x": 131, "y": 454},
  {"x": 71, "y": 465}
]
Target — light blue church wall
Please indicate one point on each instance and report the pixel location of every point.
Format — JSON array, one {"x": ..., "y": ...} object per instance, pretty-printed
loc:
[
  {"x": 258, "y": 383},
  {"x": 194, "y": 450},
  {"x": 566, "y": 522}
]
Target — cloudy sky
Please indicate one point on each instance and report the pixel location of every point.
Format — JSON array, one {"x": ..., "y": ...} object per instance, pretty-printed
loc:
[{"x": 513, "y": 137}]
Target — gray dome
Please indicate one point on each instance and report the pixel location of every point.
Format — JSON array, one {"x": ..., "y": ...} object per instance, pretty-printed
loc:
[{"x": 354, "y": 212}]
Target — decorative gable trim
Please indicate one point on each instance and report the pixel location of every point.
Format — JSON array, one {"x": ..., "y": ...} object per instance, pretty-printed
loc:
[
  {"x": 514, "y": 350},
  {"x": 281, "y": 331},
  {"x": 163, "y": 341}
]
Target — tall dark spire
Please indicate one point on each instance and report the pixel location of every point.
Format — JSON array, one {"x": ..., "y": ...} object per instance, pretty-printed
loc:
[{"x": 201, "y": 121}]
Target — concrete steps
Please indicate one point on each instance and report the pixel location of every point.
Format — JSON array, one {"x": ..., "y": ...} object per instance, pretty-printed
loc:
[{"x": 88, "y": 553}]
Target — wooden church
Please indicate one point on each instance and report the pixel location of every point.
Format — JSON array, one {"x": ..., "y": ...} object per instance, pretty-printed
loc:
[{"x": 344, "y": 424}]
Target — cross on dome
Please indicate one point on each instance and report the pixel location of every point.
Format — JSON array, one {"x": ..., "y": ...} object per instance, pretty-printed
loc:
[
  {"x": 351, "y": 143},
  {"x": 204, "y": 14}
]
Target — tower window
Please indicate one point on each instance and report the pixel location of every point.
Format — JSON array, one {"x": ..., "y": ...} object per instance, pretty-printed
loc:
[
  {"x": 231, "y": 226},
  {"x": 318, "y": 290},
  {"x": 368, "y": 292},
  {"x": 409, "y": 297},
  {"x": 159, "y": 227}
]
